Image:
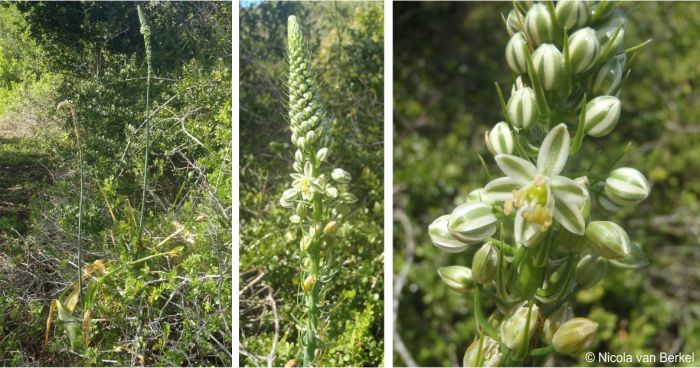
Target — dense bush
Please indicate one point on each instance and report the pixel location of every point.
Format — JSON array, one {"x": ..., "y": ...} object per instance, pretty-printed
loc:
[
  {"x": 345, "y": 41},
  {"x": 446, "y": 60},
  {"x": 174, "y": 307}
]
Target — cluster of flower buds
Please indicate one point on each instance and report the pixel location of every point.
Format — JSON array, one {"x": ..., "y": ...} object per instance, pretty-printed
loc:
[
  {"x": 540, "y": 228},
  {"x": 316, "y": 196}
]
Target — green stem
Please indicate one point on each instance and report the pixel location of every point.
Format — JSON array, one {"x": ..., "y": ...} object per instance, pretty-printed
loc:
[{"x": 481, "y": 321}]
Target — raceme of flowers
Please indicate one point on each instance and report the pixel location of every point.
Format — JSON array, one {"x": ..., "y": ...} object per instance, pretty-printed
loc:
[
  {"x": 542, "y": 232},
  {"x": 315, "y": 194}
]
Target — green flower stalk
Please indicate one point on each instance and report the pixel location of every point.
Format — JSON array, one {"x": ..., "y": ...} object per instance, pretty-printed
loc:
[
  {"x": 540, "y": 232},
  {"x": 317, "y": 193}
]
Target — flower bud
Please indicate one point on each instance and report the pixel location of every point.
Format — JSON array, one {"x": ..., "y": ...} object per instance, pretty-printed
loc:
[
  {"x": 549, "y": 66},
  {"x": 295, "y": 219},
  {"x": 516, "y": 53},
  {"x": 330, "y": 228},
  {"x": 522, "y": 108},
  {"x": 472, "y": 222},
  {"x": 490, "y": 353},
  {"x": 607, "y": 79},
  {"x": 331, "y": 192},
  {"x": 458, "y": 278},
  {"x": 341, "y": 176},
  {"x": 441, "y": 237},
  {"x": 290, "y": 194},
  {"x": 626, "y": 187},
  {"x": 606, "y": 31},
  {"x": 513, "y": 328},
  {"x": 499, "y": 139},
  {"x": 305, "y": 243},
  {"x": 322, "y": 154},
  {"x": 602, "y": 115},
  {"x": 513, "y": 22},
  {"x": 572, "y": 14},
  {"x": 555, "y": 320},
  {"x": 590, "y": 270},
  {"x": 348, "y": 198},
  {"x": 485, "y": 264},
  {"x": 308, "y": 283},
  {"x": 298, "y": 156},
  {"x": 608, "y": 239},
  {"x": 584, "y": 49},
  {"x": 575, "y": 336},
  {"x": 517, "y": 85},
  {"x": 286, "y": 204},
  {"x": 538, "y": 23}
]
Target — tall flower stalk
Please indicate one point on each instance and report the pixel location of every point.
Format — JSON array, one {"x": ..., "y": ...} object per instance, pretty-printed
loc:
[
  {"x": 146, "y": 32},
  {"x": 316, "y": 194},
  {"x": 541, "y": 229}
]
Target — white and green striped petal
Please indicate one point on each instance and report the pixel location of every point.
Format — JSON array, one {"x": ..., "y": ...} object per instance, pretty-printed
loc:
[
  {"x": 572, "y": 14},
  {"x": 554, "y": 151},
  {"x": 519, "y": 169},
  {"x": 568, "y": 190},
  {"x": 441, "y": 237},
  {"x": 526, "y": 234},
  {"x": 608, "y": 78},
  {"x": 472, "y": 222},
  {"x": 569, "y": 216},
  {"x": 500, "y": 139},
  {"x": 479, "y": 195},
  {"x": 549, "y": 66},
  {"x": 513, "y": 22},
  {"x": 538, "y": 23},
  {"x": 516, "y": 53},
  {"x": 501, "y": 189},
  {"x": 608, "y": 205},
  {"x": 626, "y": 187},
  {"x": 602, "y": 115},
  {"x": 584, "y": 49},
  {"x": 522, "y": 108}
]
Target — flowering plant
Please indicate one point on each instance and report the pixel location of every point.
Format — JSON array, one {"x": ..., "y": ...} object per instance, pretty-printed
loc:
[
  {"x": 541, "y": 229},
  {"x": 316, "y": 196}
]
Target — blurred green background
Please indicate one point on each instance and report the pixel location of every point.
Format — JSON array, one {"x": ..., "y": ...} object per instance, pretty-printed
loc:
[
  {"x": 346, "y": 43},
  {"x": 447, "y": 57}
]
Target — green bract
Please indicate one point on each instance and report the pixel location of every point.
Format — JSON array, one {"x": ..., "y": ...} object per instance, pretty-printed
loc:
[{"x": 608, "y": 78}]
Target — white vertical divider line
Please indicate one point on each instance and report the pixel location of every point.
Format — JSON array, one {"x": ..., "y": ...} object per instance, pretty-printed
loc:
[
  {"x": 236, "y": 189},
  {"x": 388, "y": 183}
]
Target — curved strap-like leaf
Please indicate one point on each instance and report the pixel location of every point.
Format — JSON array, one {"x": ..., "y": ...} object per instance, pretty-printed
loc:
[
  {"x": 501, "y": 189},
  {"x": 554, "y": 151},
  {"x": 518, "y": 169}
]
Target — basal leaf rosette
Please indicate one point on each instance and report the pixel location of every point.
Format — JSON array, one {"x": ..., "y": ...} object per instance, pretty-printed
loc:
[{"x": 539, "y": 193}]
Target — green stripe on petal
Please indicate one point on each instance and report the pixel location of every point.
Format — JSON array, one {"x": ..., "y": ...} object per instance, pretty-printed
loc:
[
  {"x": 554, "y": 151},
  {"x": 518, "y": 169},
  {"x": 501, "y": 189},
  {"x": 569, "y": 216},
  {"x": 568, "y": 190}
]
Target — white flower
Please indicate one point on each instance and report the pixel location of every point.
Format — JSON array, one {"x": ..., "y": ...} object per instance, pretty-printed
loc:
[
  {"x": 306, "y": 186},
  {"x": 539, "y": 193}
]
